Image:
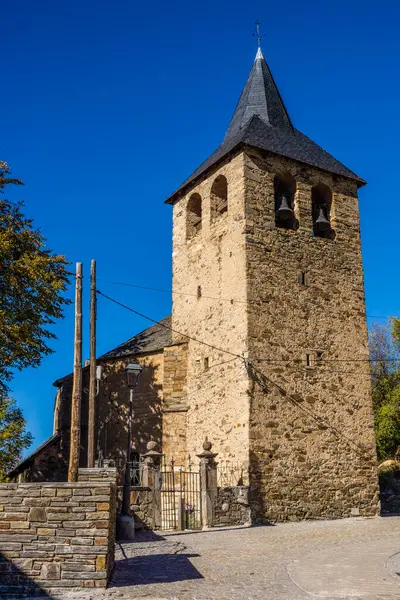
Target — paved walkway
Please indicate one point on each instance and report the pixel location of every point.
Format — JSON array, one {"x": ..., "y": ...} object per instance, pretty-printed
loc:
[{"x": 347, "y": 559}]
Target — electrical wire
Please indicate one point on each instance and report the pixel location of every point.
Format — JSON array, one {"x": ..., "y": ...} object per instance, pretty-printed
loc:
[
  {"x": 167, "y": 327},
  {"x": 249, "y": 365},
  {"x": 230, "y": 300},
  {"x": 272, "y": 361},
  {"x": 317, "y": 418}
]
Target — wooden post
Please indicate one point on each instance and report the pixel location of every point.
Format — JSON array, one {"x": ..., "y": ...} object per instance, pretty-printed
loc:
[
  {"x": 75, "y": 434},
  {"x": 92, "y": 380}
]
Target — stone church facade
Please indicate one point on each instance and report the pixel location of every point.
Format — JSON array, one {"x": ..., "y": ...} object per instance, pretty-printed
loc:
[{"x": 266, "y": 350}]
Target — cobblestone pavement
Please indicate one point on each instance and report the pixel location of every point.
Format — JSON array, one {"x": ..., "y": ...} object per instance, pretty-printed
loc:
[{"x": 346, "y": 559}]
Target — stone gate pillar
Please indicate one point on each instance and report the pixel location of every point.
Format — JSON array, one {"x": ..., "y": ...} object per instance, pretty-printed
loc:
[
  {"x": 151, "y": 478},
  {"x": 208, "y": 484}
]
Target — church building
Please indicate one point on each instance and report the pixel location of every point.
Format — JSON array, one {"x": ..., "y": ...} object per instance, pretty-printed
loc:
[{"x": 266, "y": 350}]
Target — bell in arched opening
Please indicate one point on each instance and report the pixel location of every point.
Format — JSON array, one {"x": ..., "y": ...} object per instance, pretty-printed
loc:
[
  {"x": 321, "y": 223},
  {"x": 284, "y": 212}
]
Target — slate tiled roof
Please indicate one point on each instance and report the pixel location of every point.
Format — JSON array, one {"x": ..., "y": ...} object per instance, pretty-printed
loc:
[
  {"x": 262, "y": 121},
  {"x": 23, "y": 464},
  {"x": 152, "y": 339}
]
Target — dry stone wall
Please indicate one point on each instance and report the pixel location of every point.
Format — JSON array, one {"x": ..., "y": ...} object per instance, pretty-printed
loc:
[
  {"x": 312, "y": 445},
  {"x": 232, "y": 506},
  {"x": 55, "y": 536}
]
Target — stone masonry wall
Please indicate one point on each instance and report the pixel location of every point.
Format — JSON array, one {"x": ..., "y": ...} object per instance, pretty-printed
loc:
[
  {"x": 312, "y": 445},
  {"x": 210, "y": 271},
  {"x": 142, "y": 507},
  {"x": 111, "y": 416},
  {"x": 55, "y": 536},
  {"x": 51, "y": 463},
  {"x": 232, "y": 506},
  {"x": 174, "y": 405}
]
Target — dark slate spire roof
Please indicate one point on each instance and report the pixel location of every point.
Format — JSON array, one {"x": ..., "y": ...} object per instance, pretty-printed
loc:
[
  {"x": 262, "y": 121},
  {"x": 260, "y": 97}
]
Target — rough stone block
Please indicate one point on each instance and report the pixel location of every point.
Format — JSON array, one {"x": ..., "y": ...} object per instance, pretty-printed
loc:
[
  {"x": 46, "y": 531},
  {"x": 51, "y": 571},
  {"x": 13, "y": 516},
  {"x": 48, "y": 492},
  {"x": 100, "y": 524},
  {"x": 61, "y": 491},
  {"x": 38, "y": 514},
  {"x": 9, "y": 546},
  {"x": 99, "y": 515},
  {"x": 101, "y": 562},
  {"x": 101, "y": 541},
  {"x": 79, "y": 541},
  {"x": 35, "y": 501},
  {"x": 81, "y": 492},
  {"x": 77, "y": 567}
]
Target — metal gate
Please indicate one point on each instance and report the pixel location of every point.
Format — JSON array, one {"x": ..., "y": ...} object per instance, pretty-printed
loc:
[{"x": 180, "y": 497}]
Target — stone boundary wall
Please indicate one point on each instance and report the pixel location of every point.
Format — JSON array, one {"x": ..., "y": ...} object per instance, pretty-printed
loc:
[
  {"x": 56, "y": 536},
  {"x": 232, "y": 506},
  {"x": 142, "y": 507},
  {"x": 141, "y": 504}
]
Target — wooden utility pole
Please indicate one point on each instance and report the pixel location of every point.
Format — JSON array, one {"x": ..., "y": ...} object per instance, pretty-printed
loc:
[
  {"x": 92, "y": 381},
  {"x": 75, "y": 439}
]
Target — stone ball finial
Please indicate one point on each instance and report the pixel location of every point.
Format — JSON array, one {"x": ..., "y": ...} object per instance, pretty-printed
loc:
[
  {"x": 207, "y": 445},
  {"x": 151, "y": 446}
]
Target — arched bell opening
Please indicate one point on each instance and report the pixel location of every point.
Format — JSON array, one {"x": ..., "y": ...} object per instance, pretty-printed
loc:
[
  {"x": 193, "y": 216},
  {"x": 321, "y": 198},
  {"x": 219, "y": 198},
  {"x": 285, "y": 189}
]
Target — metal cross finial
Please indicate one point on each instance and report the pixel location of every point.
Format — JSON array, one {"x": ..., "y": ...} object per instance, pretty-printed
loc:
[{"x": 257, "y": 33}]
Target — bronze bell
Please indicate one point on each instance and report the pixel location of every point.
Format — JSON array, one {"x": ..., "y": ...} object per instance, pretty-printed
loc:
[
  {"x": 321, "y": 223},
  {"x": 284, "y": 211}
]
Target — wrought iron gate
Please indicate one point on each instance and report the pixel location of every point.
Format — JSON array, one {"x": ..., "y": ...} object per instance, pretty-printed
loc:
[{"x": 180, "y": 498}]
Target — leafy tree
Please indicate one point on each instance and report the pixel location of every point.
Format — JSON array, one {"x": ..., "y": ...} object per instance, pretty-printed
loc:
[
  {"x": 384, "y": 341},
  {"x": 13, "y": 436},
  {"x": 387, "y": 425},
  {"x": 32, "y": 282}
]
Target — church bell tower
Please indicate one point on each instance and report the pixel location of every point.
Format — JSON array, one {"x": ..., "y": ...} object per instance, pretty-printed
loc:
[{"x": 267, "y": 274}]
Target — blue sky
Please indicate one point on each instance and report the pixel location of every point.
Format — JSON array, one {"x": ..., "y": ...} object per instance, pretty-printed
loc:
[{"x": 108, "y": 107}]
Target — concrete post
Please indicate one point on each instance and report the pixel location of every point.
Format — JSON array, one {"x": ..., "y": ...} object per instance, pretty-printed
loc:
[
  {"x": 208, "y": 484},
  {"x": 151, "y": 478}
]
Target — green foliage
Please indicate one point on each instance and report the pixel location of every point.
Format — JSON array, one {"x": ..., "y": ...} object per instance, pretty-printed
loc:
[
  {"x": 32, "y": 282},
  {"x": 32, "y": 285},
  {"x": 13, "y": 436},
  {"x": 396, "y": 332},
  {"x": 384, "y": 343},
  {"x": 387, "y": 425}
]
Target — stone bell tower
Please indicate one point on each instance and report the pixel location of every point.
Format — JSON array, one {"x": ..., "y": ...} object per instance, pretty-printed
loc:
[{"x": 267, "y": 273}]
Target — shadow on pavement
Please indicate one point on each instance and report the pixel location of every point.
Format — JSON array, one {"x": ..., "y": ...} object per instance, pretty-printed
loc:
[
  {"x": 154, "y": 568},
  {"x": 146, "y": 535}
]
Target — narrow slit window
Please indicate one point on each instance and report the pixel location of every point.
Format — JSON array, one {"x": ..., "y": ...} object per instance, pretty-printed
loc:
[
  {"x": 308, "y": 360},
  {"x": 199, "y": 291},
  {"x": 206, "y": 363},
  {"x": 302, "y": 278}
]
